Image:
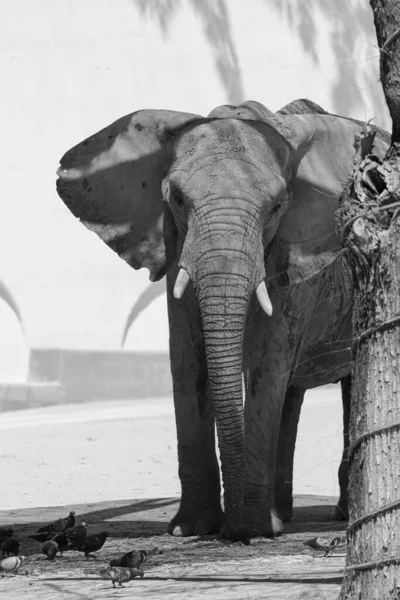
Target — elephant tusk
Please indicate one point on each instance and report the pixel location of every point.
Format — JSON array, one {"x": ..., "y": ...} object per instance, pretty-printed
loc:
[
  {"x": 263, "y": 298},
  {"x": 69, "y": 174},
  {"x": 181, "y": 283}
]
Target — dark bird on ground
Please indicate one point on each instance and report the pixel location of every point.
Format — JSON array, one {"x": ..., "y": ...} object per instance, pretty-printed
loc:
[
  {"x": 326, "y": 544},
  {"x": 11, "y": 564},
  {"x": 42, "y": 537},
  {"x": 6, "y": 532},
  {"x": 120, "y": 575},
  {"x": 77, "y": 533},
  {"x": 91, "y": 543},
  {"x": 50, "y": 549},
  {"x": 9, "y": 546},
  {"x": 62, "y": 542},
  {"x": 60, "y": 525},
  {"x": 133, "y": 559}
]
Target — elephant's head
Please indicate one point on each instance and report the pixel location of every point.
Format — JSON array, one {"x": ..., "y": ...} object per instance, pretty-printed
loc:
[{"x": 235, "y": 198}]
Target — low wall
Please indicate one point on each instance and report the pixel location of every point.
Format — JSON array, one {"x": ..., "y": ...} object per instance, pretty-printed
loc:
[
  {"x": 101, "y": 374},
  {"x": 17, "y": 396},
  {"x": 59, "y": 376}
]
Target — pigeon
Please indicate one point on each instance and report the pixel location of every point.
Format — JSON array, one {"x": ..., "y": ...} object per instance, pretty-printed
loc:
[
  {"x": 133, "y": 559},
  {"x": 91, "y": 543},
  {"x": 50, "y": 549},
  {"x": 6, "y": 532},
  {"x": 326, "y": 544},
  {"x": 120, "y": 574},
  {"x": 60, "y": 525},
  {"x": 9, "y": 546},
  {"x": 62, "y": 542},
  {"x": 42, "y": 537},
  {"x": 11, "y": 564},
  {"x": 77, "y": 533}
]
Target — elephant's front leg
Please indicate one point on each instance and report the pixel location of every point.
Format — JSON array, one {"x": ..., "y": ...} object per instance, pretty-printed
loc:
[
  {"x": 285, "y": 454},
  {"x": 200, "y": 507},
  {"x": 265, "y": 392}
]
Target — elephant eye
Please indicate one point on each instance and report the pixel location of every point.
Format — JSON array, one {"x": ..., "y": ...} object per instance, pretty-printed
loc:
[
  {"x": 176, "y": 198},
  {"x": 275, "y": 208},
  {"x": 280, "y": 203}
]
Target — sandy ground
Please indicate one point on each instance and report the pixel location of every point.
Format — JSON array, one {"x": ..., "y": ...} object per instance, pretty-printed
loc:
[{"x": 115, "y": 464}]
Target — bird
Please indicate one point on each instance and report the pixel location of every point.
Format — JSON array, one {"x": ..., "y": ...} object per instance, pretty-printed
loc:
[
  {"x": 133, "y": 559},
  {"x": 62, "y": 542},
  {"x": 120, "y": 574},
  {"x": 91, "y": 543},
  {"x": 9, "y": 546},
  {"x": 77, "y": 533},
  {"x": 11, "y": 564},
  {"x": 6, "y": 532},
  {"x": 326, "y": 544},
  {"x": 50, "y": 549},
  {"x": 60, "y": 525},
  {"x": 42, "y": 537}
]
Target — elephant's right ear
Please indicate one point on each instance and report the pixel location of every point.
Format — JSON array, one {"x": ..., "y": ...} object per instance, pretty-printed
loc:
[{"x": 112, "y": 182}]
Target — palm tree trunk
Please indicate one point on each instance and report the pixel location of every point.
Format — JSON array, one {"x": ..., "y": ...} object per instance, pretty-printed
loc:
[
  {"x": 387, "y": 19},
  {"x": 373, "y": 245}
]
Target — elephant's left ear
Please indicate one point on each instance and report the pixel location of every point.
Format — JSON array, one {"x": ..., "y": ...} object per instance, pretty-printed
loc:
[
  {"x": 112, "y": 183},
  {"x": 322, "y": 151}
]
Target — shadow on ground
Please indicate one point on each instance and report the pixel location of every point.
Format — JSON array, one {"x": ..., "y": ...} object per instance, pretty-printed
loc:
[
  {"x": 142, "y": 519},
  {"x": 150, "y": 517}
]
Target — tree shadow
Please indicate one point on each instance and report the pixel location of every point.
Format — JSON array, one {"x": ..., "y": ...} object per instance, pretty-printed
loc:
[
  {"x": 214, "y": 17},
  {"x": 150, "y": 517},
  {"x": 306, "y": 520},
  {"x": 350, "y": 29},
  {"x": 122, "y": 518},
  {"x": 314, "y": 513},
  {"x": 253, "y": 578}
]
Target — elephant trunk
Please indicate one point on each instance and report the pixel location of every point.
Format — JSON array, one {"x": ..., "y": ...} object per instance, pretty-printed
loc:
[
  {"x": 226, "y": 268},
  {"x": 223, "y": 303}
]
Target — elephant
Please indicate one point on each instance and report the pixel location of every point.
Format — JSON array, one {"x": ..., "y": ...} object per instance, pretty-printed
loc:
[
  {"x": 237, "y": 210},
  {"x": 288, "y": 427}
]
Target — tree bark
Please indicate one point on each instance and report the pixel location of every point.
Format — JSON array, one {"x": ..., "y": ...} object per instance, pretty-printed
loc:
[{"x": 369, "y": 219}]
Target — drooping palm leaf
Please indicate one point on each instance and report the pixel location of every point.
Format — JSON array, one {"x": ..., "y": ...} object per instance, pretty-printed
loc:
[
  {"x": 146, "y": 297},
  {"x": 9, "y": 299}
]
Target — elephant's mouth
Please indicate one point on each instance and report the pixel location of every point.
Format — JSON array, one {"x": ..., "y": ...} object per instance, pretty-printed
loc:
[
  {"x": 263, "y": 298},
  {"x": 67, "y": 174}
]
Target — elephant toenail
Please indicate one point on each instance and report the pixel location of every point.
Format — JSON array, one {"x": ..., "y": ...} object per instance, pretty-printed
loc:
[{"x": 177, "y": 532}]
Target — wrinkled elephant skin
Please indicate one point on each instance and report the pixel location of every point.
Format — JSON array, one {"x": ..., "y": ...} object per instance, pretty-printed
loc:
[{"x": 223, "y": 206}]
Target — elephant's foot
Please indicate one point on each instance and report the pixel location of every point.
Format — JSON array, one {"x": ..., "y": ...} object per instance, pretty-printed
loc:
[
  {"x": 196, "y": 520},
  {"x": 235, "y": 533},
  {"x": 260, "y": 518},
  {"x": 263, "y": 523}
]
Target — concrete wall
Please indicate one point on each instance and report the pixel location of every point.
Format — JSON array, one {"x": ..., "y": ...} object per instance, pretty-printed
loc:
[
  {"x": 70, "y": 68},
  {"x": 87, "y": 375}
]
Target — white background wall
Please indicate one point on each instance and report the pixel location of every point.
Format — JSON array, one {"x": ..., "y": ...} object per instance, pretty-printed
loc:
[{"x": 70, "y": 68}]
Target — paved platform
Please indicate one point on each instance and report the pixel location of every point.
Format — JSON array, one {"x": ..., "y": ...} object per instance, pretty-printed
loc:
[{"x": 115, "y": 464}]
